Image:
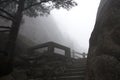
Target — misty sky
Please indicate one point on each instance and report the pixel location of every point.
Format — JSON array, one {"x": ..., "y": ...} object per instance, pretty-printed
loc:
[
  {"x": 78, "y": 22},
  {"x": 70, "y": 28}
]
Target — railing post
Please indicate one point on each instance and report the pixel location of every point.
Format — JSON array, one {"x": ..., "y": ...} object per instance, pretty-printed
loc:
[
  {"x": 51, "y": 49},
  {"x": 73, "y": 53},
  {"x": 83, "y": 55},
  {"x": 68, "y": 53}
]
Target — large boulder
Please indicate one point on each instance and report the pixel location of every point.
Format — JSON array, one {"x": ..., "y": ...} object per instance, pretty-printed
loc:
[{"x": 104, "y": 52}]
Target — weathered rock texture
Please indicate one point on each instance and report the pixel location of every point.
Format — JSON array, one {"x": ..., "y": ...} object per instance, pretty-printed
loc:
[{"x": 104, "y": 51}]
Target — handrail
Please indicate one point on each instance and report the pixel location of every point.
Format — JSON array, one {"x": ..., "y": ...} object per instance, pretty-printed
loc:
[{"x": 84, "y": 55}]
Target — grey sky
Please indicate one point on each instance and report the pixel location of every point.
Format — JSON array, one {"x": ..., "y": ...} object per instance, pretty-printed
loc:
[
  {"x": 78, "y": 23},
  {"x": 70, "y": 28}
]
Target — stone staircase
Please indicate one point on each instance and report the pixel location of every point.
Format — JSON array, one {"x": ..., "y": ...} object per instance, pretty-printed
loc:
[{"x": 75, "y": 71}]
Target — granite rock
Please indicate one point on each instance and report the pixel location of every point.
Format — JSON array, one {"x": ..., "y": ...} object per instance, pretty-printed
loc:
[{"x": 104, "y": 50}]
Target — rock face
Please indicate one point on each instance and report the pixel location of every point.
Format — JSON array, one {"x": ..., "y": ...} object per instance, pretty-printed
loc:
[{"x": 104, "y": 52}]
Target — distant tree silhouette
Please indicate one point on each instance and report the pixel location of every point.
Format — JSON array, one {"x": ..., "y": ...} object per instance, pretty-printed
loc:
[{"x": 13, "y": 10}]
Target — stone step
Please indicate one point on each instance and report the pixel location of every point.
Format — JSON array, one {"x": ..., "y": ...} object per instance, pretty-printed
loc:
[
  {"x": 77, "y": 65},
  {"x": 74, "y": 70},
  {"x": 72, "y": 73},
  {"x": 80, "y": 62},
  {"x": 71, "y": 78},
  {"x": 71, "y": 67},
  {"x": 83, "y": 66},
  {"x": 80, "y": 65}
]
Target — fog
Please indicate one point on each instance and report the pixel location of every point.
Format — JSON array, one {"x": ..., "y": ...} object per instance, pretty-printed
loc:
[
  {"x": 63, "y": 31},
  {"x": 71, "y": 28},
  {"x": 43, "y": 29}
]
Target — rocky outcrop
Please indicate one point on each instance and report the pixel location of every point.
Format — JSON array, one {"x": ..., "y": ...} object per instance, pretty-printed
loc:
[{"x": 104, "y": 52}]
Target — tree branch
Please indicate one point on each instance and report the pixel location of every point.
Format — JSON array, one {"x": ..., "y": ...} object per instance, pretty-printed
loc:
[
  {"x": 6, "y": 17},
  {"x": 1, "y": 2},
  {"x": 15, "y": 1},
  {"x": 4, "y": 30},
  {"x": 35, "y": 4},
  {"x": 7, "y": 13},
  {"x": 5, "y": 27}
]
